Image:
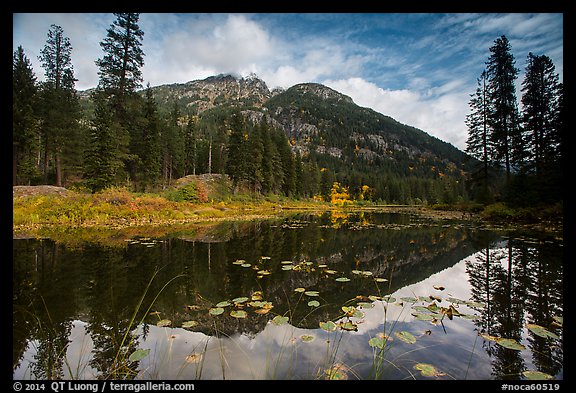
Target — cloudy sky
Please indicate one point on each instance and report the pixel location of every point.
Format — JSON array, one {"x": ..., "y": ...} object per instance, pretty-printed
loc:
[{"x": 417, "y": 68}]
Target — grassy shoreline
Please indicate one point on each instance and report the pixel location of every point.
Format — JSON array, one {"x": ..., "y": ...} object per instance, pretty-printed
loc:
[{"x": 119, "y": 208}]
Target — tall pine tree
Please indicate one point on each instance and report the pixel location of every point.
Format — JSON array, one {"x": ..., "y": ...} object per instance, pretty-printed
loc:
[
  {"x": 541, "y": 100},
  {"x": 120, "y": 76},
  {"x": 504, "y": 118},
  {"x": 60, "y": 105},
  {"x": 478, "y": 142},
  {"x": 24, "y": 119}
]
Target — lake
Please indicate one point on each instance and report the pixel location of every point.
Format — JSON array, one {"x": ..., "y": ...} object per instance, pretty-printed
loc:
[{"x": 364, "y": 295}]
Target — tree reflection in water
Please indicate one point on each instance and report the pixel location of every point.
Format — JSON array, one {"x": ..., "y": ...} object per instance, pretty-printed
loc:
[{"x": 60, "y": 287}]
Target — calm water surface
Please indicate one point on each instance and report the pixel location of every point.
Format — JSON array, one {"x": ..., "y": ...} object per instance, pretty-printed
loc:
[{"x": 362, "y": 296}]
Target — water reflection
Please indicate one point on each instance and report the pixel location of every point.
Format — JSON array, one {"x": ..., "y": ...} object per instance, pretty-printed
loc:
[{"x": 80, "y": 311}]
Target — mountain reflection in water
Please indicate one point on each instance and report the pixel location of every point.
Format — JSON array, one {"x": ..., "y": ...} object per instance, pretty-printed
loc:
[{"x": 78, "y": 307}]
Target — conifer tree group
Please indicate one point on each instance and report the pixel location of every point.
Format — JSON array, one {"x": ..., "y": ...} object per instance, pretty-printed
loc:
[
  {"x": 125, "y": 139},
  {"x": 525, "y": 144}
]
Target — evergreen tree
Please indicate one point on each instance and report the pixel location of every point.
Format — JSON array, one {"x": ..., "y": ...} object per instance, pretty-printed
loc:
[
  {"x": 288, "y": 167},
  {"x": 190, "y": 147},
  {"x": 541, "y": 100},
  {"x": 150, "y": 151},
  {"x": 60, "y": 105},
  {"x": 237, "y": 150},
  {"x": 120, "y": 77},
  {"x": 24, "y": 119},
  {"x": 254, "y": 159},
  {"x": 478, "y": 142},
  {"x": 506, "y": 135},
  {"x": 119, "y": 68},
  {"x": 101, "y": 159},
  {"x": 173, "y": 146}
]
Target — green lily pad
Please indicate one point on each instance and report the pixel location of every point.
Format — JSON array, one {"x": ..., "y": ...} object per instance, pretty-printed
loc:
[
  {"x": 337, "y": 372},
  {"x": 307, "y": 338},
  {"x": 246, "y": 265},
  {"x": 164, "y": 323},
  {"x": 405, "y": 336},
  {"x": 189, "y": 324},
  {"x": 348, "y": 326},
  {"x": 216, "y": 311},
  {"x": 241, "y": 299},
  {"x": 313, "y": 303},
  {"x": 421, "y": 316},
  {"x": 377, "y": 342},
  {"x": 510, "y": 344},
  {"x": 312, "y": 293},
  {"x": 536, "y": 375},
  {"x": 223, "y": 304},
  {"x": 238, "y": 313},
  {"x": 541, "y": 331},
  {"x": 342, "y": 279},
  {"x": 428, "y": 370},
  {"x": 138, "y": 354},
  {"x": 409, "y": 299},
  {"x": 328, "y": 326},
  {"x": 279, "y": 320}
]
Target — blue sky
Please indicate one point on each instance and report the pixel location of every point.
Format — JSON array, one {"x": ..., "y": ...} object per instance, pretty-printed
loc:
[{"x": 417, "y": 68}]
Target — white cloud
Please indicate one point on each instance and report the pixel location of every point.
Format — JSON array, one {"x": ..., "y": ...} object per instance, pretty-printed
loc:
[
  {"x": 199, "y": 49},
  {"x": 440, "y": 113}
]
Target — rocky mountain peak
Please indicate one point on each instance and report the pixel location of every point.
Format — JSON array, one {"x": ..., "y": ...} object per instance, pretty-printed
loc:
[{"x": 322, "y": 91}]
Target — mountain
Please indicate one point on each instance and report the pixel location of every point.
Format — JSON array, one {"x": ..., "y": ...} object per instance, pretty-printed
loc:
[
  {"x": 326, "y": 130},
  {"x": 315, "y": 118},
  {"x": 200, "y": 95}
]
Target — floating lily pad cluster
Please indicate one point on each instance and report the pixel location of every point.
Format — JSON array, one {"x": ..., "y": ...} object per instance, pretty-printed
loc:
[
  {"x": 238, "y": 306},
  {"x": 263, "y": 268}
]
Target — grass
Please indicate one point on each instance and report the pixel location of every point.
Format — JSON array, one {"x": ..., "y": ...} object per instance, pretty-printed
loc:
[{"x": 118, "y": 207}]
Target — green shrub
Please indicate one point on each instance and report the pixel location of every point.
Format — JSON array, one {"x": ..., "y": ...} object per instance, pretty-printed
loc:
[{"x": 191, "y": 192}]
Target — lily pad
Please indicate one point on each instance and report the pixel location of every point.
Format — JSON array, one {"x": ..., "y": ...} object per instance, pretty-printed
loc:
[
  {"x": 510, "y": 344},
  {"x": 279, "y": 320},
  {"x": 348, "y": 326},
  {"x": 216, "y": 311},
  {"x": 262, "y": 311},
  {"x": 138, "y": 354},
  {"x": 189, "y": 324},
  {"x": 194, "y": 358},
  {"x": 223, "y": 304},
  {"x": 299, "y": 290},
  {"x": 239, "y": 300},
  {"x": 328, "y": 326},
  {"x": 238, "y": 313},
  {"x": 342, "y": 279},
  {"x": 428, "y": 370},
  {"x": 422, "y": 316},
  {"x": 337, "y": 372},
  {"x": 377, "y": 342},
  {"x": 164, "y": 323},
  {"x": 536, "y": 375},
  {"x": 312, "y": 293},
  {"x": 307, "y": 338},
  {"x": 541, "y": 331},
  {"x": 313, "y": 303},
  {"x": 405, "y": 336}
]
